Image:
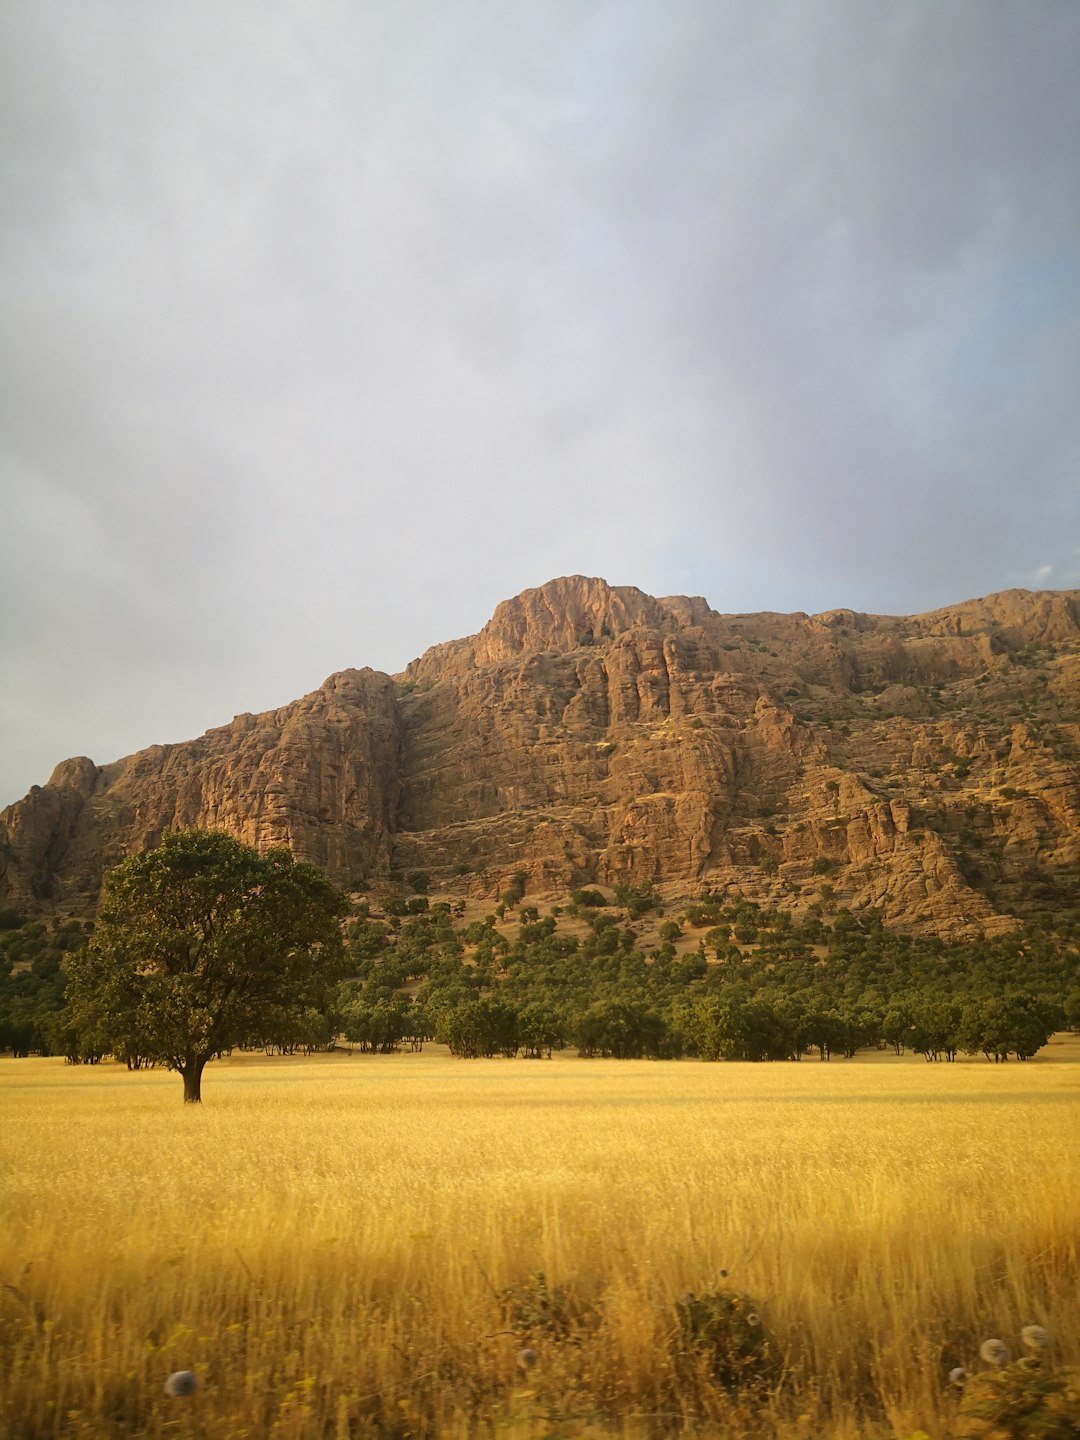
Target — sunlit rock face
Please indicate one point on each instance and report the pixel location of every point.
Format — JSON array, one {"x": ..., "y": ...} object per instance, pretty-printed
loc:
[
  {"x": 925, "y": 765},
  {"x": 319, "y": 776}
]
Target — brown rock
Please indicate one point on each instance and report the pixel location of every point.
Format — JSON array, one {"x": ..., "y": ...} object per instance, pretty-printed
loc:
[{"x": 592, "y": 733}]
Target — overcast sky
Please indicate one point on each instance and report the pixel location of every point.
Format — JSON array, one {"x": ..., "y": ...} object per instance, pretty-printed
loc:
[{"x": 326, "y": 326}]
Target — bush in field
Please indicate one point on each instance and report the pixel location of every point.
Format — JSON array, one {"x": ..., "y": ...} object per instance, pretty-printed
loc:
[
  {"x": 724, "y": 1328},
  {"x": 1025, "y": 1400},
  {"x": 537, "y": 1311}
]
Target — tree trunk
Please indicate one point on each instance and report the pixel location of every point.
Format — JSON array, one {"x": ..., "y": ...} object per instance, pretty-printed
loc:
[{"x": 192, "y": 1070}]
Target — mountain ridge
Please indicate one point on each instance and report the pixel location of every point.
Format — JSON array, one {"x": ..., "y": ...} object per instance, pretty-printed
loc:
[{"x": 589, "y": 733}]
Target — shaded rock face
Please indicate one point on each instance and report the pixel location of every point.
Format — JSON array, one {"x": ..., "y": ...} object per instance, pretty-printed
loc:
[{"x": 593, "y": 734}]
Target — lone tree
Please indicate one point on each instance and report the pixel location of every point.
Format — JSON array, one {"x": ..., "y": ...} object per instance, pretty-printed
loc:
[{"x": 200, "y": 944}]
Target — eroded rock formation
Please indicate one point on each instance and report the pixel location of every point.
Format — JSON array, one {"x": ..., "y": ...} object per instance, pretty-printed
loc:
[{"x": 593, "y": 734}]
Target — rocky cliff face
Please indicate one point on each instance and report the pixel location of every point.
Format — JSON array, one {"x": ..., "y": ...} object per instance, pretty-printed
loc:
[
  {"x": 319, "y": 776},
  {"x": 591, "y": 734}
]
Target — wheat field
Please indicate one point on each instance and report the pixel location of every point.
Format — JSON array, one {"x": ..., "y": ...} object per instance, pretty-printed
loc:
[{"x": 349, "y": 1245}]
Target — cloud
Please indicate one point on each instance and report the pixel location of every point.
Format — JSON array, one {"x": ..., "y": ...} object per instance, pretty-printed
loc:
[{"x": 328, "y": 326}]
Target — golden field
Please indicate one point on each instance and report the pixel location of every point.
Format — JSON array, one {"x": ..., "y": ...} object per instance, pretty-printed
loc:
[{"x": 348, "y": 1245}]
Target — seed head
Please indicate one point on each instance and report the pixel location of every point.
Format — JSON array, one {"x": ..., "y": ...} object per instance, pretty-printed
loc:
[
  {"x": 723, "y": 1273},
  {"x": 180, "y": 1383},
  {"x": 753, "y": 1318},
  {"x": 527, "y": 1358},
  {"x": 1034, "y": 1337},
  {"x": 994, "y": 1352},
  {"x": 957, "y": 1376}
]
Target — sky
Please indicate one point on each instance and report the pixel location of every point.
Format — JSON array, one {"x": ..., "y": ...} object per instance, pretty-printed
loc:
[{"x": 324, "y": 327}]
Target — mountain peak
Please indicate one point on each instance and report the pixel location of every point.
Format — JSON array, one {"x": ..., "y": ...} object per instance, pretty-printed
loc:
[
  {"x": 563, "y": 613},
  {"x": 591, "y": 733}
]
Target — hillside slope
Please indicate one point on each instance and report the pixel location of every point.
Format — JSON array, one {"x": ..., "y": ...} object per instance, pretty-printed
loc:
[{"x": 928, "y": 765}]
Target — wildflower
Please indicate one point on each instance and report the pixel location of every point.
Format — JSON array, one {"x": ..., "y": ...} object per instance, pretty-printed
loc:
[
  {"x": 957, "y": 1376},
  {"x": 1034, "y": 1337},
  {"x": 994, "y": 1352},
  {"x": 181, "y": 1382},
  {"x": 527, "y": 1358}
]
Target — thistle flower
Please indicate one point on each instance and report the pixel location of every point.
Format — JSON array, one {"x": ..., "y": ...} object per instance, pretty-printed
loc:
[
  {"x": 994, "y": 1352},
  {"x": 957, "y": 1376},
  {"x": 527, "y": 1358},
  {"x": 180, "y": 1383},
  {"x": 1034, "y": 1337}
]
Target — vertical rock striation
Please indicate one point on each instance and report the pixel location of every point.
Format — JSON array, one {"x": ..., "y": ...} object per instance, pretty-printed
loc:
[{"x": 590, "y": 733}]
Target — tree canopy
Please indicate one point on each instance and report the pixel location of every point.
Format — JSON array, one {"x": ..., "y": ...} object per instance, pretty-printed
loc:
[
  {"x": 725, "y": 979},
  {"x": 202, "y": 944}
]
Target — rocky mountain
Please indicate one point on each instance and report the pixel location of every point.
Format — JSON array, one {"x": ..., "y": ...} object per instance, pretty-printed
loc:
[{"x": 927, "y": 765}]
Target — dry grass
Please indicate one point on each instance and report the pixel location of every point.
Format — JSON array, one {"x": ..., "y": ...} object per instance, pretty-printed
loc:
[{"x": 325, "y": 1242}]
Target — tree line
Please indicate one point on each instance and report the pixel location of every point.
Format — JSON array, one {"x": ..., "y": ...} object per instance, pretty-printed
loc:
[
  {"x": 758, "y": 985},
  {"x": 202, "y": 945}
]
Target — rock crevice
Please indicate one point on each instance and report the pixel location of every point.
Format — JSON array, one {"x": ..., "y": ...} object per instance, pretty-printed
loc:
[{"x": 926, "y": 765}]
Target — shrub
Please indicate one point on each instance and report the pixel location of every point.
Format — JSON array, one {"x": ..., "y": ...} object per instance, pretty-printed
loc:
[
  {"x": 535, "y": 1310},
  {"x": 1027, "y": 1400},
  {"x": 588, "y": 897},
  {"x": 725, "y": 1328},
  {"x": 639, "y": 899}
]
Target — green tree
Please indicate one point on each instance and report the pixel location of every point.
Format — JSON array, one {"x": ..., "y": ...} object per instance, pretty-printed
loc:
[
  {"x": 203, "y": 943},
  {"x": 477, "y": 1028},
  {"x": 541, "y": 1030},
  {"x": 711, "y": 1028},
  {"x": 623, "y": 1029},
  {"x": 935, "y": 1027},
  {"x": 1007, "y": 1024}
]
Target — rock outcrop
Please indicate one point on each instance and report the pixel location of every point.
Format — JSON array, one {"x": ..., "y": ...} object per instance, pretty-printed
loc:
[
  {"x": 319, "y": 776},
  {"x": 927, "y": 765}
]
